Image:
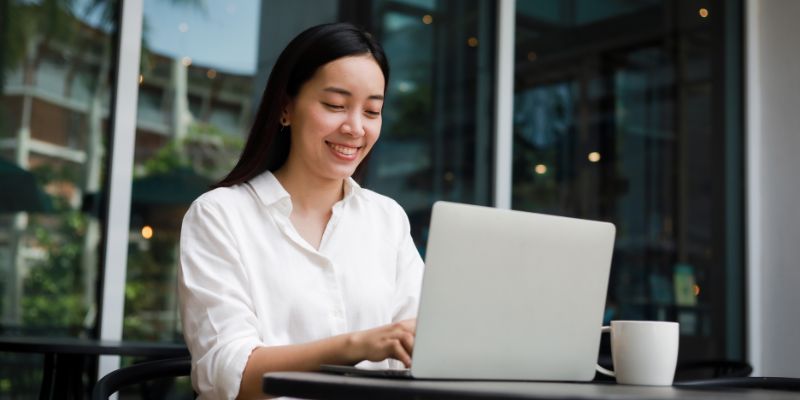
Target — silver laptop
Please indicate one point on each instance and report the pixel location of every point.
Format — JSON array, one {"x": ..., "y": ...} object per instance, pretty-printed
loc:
[{"x": 510, "y": 295}]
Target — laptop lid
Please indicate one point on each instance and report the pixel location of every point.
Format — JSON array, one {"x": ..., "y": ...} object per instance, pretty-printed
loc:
[{"x": 511, "y": 295}]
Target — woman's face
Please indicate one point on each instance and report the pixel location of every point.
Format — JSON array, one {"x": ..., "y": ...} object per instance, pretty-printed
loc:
[{"x": 336, "y": 117}]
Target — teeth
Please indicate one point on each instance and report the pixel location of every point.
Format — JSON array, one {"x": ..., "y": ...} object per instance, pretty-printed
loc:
[{"x": 348, "y": 151}]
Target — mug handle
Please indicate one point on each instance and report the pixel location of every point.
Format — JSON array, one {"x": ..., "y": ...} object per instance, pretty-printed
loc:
[{"x": 607, "y": 372}]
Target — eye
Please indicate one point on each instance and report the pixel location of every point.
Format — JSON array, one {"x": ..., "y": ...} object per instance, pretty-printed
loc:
[
  {"x": 334, "y": 107},
  {"x": 373, "y": 113}
]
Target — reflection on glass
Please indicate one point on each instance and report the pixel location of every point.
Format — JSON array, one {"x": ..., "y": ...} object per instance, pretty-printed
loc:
[
  {"x": 56, "y": 60},
  {"x": 195, "y": 93},
  {"x": 436, "y": 137},
  {"x": 614, "y": 106}
]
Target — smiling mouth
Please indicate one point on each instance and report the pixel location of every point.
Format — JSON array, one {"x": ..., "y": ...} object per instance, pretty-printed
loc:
[{"x": 346, "y": 151}]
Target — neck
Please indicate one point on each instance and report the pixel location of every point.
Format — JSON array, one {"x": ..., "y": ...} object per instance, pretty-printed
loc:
[{"x": 310, "y": 193}]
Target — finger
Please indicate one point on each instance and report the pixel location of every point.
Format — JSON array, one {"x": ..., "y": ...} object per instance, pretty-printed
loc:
[
  {"x": 399, "y": 353},
  {"x": 407, "y": 340}
]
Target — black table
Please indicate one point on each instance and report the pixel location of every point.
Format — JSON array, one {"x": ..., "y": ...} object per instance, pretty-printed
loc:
[
  {"x": 67, "y": 360},
  {"x": 316, "y": 385}
]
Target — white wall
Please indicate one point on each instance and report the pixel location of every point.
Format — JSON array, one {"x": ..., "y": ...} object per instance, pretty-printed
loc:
[{"x": 773, "y": 181}]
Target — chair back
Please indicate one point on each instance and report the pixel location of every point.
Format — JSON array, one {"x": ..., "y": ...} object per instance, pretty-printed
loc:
[{"x": 140, "y": 373}]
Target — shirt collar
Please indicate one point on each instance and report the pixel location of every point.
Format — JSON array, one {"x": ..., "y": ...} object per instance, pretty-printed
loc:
[
  {"x": 270, "y": 191},
  {"x": 351, "y": 188}
]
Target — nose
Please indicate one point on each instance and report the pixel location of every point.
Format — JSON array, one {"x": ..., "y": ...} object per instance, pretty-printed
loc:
[{"x": 353, "y": 126}]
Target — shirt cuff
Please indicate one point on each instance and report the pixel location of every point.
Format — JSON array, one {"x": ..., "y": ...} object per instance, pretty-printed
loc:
[{"x": 230, "y": 368}]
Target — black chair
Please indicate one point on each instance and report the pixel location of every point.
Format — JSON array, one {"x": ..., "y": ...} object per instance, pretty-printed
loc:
[
  {"x": 751, "y": 382},
  {"x": 728, "y": 374},
  {"x": 140, "y": 373},
  {"x": 712, "y": 369}
]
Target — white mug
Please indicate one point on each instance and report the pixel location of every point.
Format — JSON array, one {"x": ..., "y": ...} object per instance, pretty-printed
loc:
[{"x": 643, "y": 352}]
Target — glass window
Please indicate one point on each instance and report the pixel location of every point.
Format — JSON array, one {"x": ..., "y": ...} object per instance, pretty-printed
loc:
[
  {"x": 619, "y": 117},
  {"x": 54, "y": 80},
  {"x": 436, "y": 141},
  {"x": 195, "y": 90},
  {"x": 203, "y": 71}
]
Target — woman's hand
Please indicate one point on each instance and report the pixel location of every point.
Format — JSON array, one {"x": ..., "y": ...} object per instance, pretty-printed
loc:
[
  {"x": 389, "y": 341},
  {"x": 395, "y": 340}
]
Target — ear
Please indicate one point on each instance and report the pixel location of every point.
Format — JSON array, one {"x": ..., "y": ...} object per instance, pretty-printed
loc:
[{"x": 287, "y": 107}]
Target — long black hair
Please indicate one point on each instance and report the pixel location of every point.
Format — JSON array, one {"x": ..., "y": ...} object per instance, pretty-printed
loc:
[{"x": 267, "y": 147}]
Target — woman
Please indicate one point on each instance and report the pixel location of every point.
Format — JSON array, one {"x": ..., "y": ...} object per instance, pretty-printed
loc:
[{"x": 288, "y": 264}]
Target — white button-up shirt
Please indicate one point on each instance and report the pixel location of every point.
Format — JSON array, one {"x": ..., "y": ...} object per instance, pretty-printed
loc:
[{"x": 248, "y": 279}]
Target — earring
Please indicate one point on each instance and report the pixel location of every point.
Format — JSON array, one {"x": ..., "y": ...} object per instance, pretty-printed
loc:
[{"x": 284, "y": 123}]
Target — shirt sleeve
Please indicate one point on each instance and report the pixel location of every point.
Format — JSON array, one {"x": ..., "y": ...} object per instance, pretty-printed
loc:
[
  {"x": 219, "y": 322},
  {"x": 409, "y": 275}
]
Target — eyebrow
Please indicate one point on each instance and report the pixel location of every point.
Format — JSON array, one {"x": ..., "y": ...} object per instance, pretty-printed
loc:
[{"x": 347, "y": 93}]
